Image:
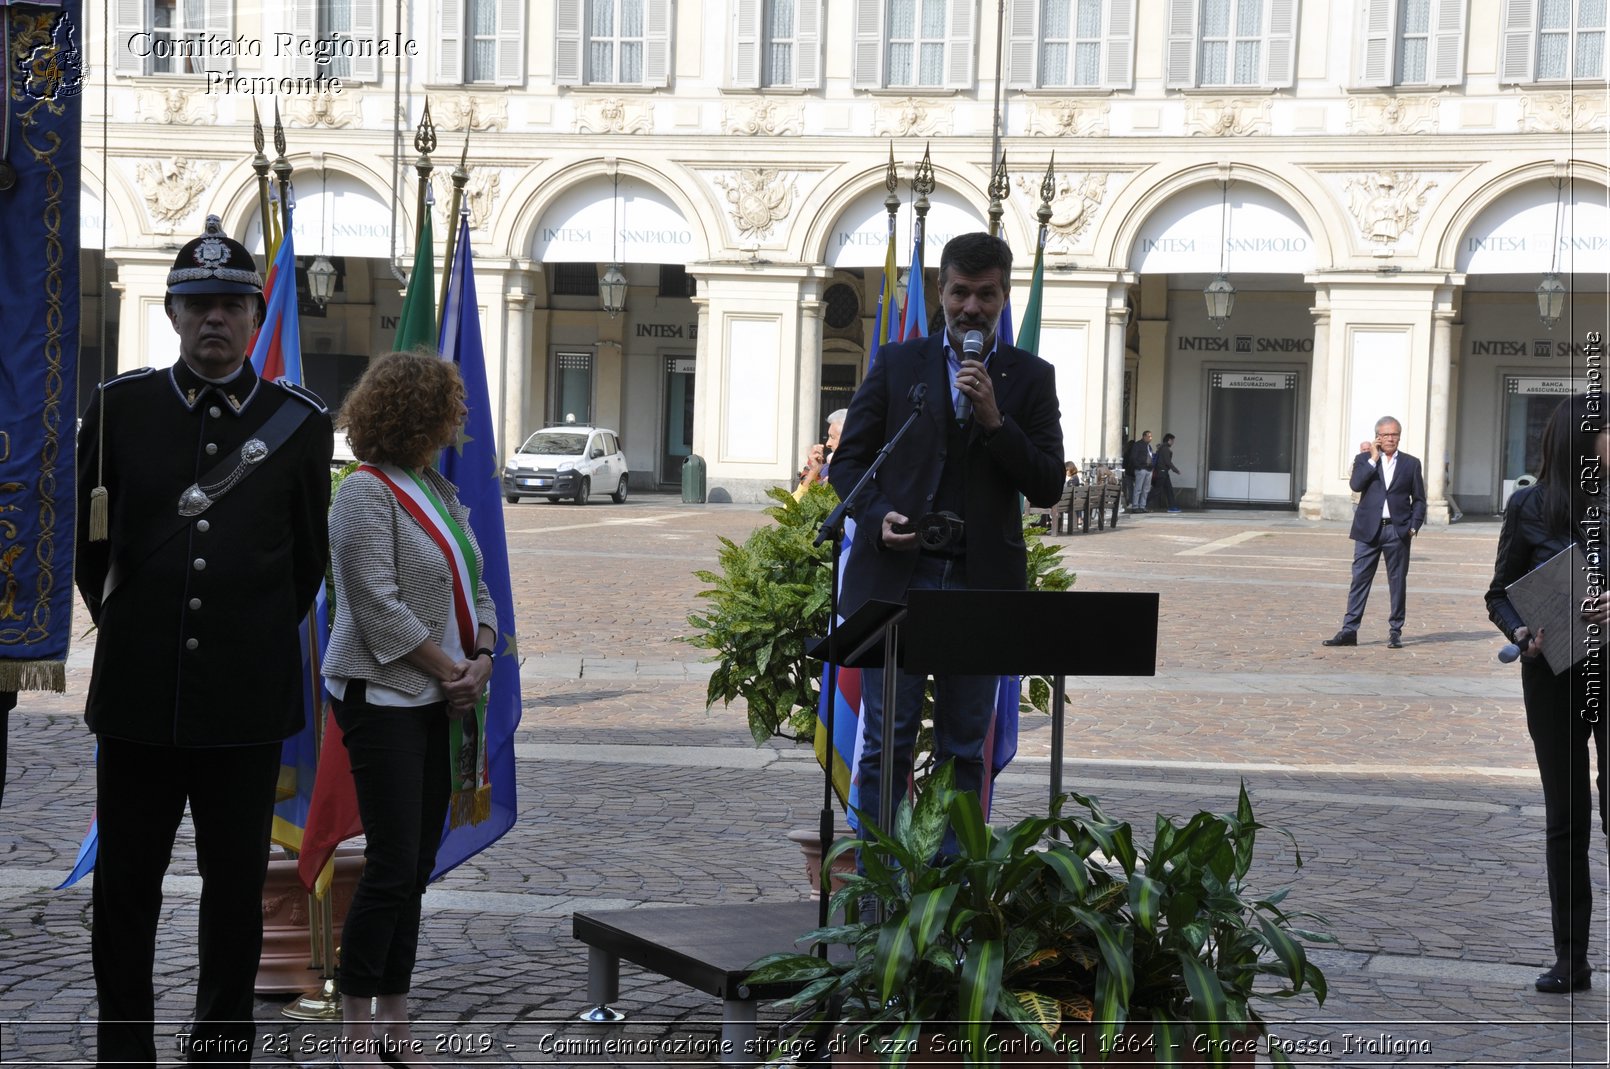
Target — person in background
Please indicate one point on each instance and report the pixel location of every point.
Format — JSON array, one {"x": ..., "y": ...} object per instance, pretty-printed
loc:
[
  {"x": 1139, "y": 463},
  {"x": 1163, "y": 474},
  {"x": 821, "y": 454},
  {"x": 410, "y": 653},
  {"x": 1562, "y": 507},
  {"x": 8, "y": 702},
  {"x": 1391, "y": 491}
]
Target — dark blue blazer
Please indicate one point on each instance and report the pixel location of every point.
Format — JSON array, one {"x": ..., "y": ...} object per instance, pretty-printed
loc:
[
  {"x": 1023, "y": 456},
  {"x": 1405, "y": 498}
]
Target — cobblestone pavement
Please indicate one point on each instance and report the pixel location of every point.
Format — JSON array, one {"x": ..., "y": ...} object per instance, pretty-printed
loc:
[{"x": 1405, "y": 776}]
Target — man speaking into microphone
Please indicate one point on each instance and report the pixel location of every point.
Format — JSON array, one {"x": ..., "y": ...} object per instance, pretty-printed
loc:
[{"x": 942, "y": 511}]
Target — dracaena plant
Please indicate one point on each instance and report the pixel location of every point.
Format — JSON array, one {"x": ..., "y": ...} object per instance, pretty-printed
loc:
[{"x": 1047, "y": 924}]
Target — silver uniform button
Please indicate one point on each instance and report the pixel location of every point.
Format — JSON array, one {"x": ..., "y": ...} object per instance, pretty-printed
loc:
[
  {"x": 199, "y": 564},
  {"x": 215, "y": 411},
  {"x": 212, "y": 447},
  {"x": 195, "y": 603},
  {"x": 203, "y": 526},
  {"x": 191, "y": 643}
]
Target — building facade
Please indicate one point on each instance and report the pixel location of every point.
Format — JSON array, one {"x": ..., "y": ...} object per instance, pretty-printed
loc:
[{"x": 1384, "y": 184}]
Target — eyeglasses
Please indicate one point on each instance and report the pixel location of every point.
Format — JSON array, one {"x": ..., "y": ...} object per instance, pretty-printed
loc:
[{"x": 1389, "y": 435}]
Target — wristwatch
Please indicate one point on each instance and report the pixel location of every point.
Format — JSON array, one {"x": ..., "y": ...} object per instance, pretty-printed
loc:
[{"x": 489, "y": 654}]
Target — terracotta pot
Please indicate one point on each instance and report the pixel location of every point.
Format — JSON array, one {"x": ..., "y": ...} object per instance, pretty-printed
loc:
[
  {"x": 287, "y": 947},
  {"x": 810, "y": 844},
  {"x": 1131, "y": 1046}
]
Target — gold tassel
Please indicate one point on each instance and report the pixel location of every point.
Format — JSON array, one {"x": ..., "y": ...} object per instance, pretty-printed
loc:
[
  {"x": 469, "y": 806},
  {"x": 33, "y": 675},
  {"x": 99, "y": 519}
]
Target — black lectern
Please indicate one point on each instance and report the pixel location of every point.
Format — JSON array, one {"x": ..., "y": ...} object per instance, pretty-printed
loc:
[{"x": 1001, "y": 632}]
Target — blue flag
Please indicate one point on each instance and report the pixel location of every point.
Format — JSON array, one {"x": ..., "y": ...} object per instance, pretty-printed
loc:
[{"x": 472, "y": 465}]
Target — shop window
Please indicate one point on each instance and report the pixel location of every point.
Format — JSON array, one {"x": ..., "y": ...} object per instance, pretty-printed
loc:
[
  {"x": 1213, "y": 43},
  {"x": 574, "y": 280},
  {"x": 1070, "y": 44},
  {"x": 573, "y": 388}
]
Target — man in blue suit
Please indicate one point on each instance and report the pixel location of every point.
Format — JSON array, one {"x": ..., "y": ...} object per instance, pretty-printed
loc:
[
  {"x": 1391, "y": 509},
  {"x": 991, "y": 430}
]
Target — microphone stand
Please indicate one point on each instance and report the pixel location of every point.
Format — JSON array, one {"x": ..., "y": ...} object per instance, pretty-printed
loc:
[{"x": 833, "y": 528}]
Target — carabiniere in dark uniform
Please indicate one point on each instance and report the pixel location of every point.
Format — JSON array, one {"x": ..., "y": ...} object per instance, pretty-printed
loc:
[{"x": 202, "y": 539}]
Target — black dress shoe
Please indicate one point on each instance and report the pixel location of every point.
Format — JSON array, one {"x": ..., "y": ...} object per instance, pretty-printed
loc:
[
  {"x": 1342, "y": 638},
  {"x": 1565, "y": 978},
  {"x": 1395, "y": 641}
]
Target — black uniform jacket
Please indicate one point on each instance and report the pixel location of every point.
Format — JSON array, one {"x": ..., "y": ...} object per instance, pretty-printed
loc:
[
  {"x": 198, "y": 643},
  {"x": 1525, "y": 541},
  {"x": 1023, "y": 456}
]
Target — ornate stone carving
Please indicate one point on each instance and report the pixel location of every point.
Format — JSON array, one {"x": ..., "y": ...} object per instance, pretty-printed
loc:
[
  {"x": 171, "y": 187},
  {"x": 1074, "y": 205},
  {"x": 480, "y": 192},
  {"x": 912, "y": 118},
  {"x": 761, "y": 197},
  {"x": 614, "y": 115},
  {"x": 174, "y": 107},
  {"x": 1393, "y": 114},
  {"x": 322, "y": 109},
  {"x": 1558, "y": 113},
  {"x": 1069, "y": 118},
  {"x": 467, "y": 111},
  {"x": 1386, "y": 203},
  {"x": 755, "y": 117},
  {"x": 1227, "y": 118}
]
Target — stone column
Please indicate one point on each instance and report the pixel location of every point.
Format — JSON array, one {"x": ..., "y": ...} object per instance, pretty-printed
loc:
[
  {"x": 145, "y": 338},
  {"x": 706, "y": 389},
  {"x": 1311, "y": 506},
  {"x": 1112, "y": 429},
  {"x": 518, "y": 287},
  {"x": 1436, "y": 469},
  {"x": 811, "y": 427}
]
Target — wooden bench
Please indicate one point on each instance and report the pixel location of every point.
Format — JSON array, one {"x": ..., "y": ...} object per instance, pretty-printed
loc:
[{"x": 1079, "y": 504}]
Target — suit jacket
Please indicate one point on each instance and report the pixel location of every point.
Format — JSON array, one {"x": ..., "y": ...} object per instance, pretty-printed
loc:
[
  {"x": 393, "y": 587},
  {"x": 1405, "y": 499},
  {"x": 199, "y": 644},
  {"x": 1141, "y": 456},
  {"x": 1024, "y": 456}
]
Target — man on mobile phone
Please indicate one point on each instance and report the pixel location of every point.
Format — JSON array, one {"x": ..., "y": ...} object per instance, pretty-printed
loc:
[{"x": 1391, "y": 510}]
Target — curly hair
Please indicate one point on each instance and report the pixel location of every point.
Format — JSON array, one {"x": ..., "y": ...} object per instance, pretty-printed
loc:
[{"x": 403, "y": 409}]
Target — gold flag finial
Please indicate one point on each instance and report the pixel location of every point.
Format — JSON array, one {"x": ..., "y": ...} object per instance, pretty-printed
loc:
[
  {"x": 282, "y": 171},
  {"x": 257, "y": 128},
  {"x": 998, "y": 189},
  {"x": 891, "y": 182},
  {"x": 1048, "y": 189},
  {"x": 425, "y": 134},
  {"x": 922, "y": 183}
]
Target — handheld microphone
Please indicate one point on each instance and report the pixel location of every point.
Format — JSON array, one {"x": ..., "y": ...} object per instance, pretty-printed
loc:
[
  {"x": 972, "y": 349},
  {"x": 1513, "y": 650}
]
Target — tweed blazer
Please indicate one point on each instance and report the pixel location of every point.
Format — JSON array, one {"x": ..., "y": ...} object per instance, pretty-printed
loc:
[{"x": 393, "y": 587}]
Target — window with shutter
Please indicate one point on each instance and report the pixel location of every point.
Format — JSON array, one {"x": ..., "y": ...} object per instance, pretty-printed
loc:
[
  {"x": 1022, "y": 43},
  {"x": 1231, "y": 43},
  {"x": 175, "y": 43},
  {"x": 508, "y": 64},
  {"x": 1118, "y": 45},
  {"x": 777, "y": 51},
  {"x": 568, "y": 42},
  {"x": 449, "y": 41},
  {"x": 867, "y": 63},
  {"x": 807, "y": 44},
  {"x": 1071, "y": 42},
  {"x": 929, "y": 44},
  {"x": 745, "y": 44},
  {"x": 626, "y": 42},
  {"x": 1570, "y": 39},
  {"x": 1179, "y": 61}
]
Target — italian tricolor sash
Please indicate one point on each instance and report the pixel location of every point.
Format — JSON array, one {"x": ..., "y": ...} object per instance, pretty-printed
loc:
[{"x": 467, "y": 766}]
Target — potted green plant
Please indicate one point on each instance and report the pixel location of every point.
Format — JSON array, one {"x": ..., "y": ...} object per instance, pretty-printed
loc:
[
  {"x": 770, "y": 594},
  {"x": 1057, "y": 936}
]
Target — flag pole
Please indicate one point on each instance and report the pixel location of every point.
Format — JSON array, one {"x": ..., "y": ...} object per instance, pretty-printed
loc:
[
  {"x": 461, "y": 178},
  {"x": 260, "y": 165},
  {"x": 282, "y": 172},
  {"x": 424, "y": 144},
  {"x": 1048, "y": 189}
]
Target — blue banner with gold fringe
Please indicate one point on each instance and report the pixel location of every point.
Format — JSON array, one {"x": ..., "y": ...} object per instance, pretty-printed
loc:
[{"x": 39, "y": 286}]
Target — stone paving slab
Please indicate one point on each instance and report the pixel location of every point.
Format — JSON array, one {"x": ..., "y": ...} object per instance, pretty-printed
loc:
[{"x": 1406, "y": 778}]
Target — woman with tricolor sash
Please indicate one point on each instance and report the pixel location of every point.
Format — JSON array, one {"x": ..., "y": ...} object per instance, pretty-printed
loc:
[{"x": 408, "y": 664}]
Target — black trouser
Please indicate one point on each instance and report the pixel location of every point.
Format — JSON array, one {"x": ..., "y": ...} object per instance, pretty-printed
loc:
[
  {"x": 8, "y": 702},
  {"x": 1163, "y": 489},
  {"x": 1560, "y": 736},
  {"x": 400, "y": 768},
  {"x": 141, "y": 793}
]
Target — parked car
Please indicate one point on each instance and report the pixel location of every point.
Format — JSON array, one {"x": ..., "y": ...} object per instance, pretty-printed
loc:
[{"x": 567, "y": 461}]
